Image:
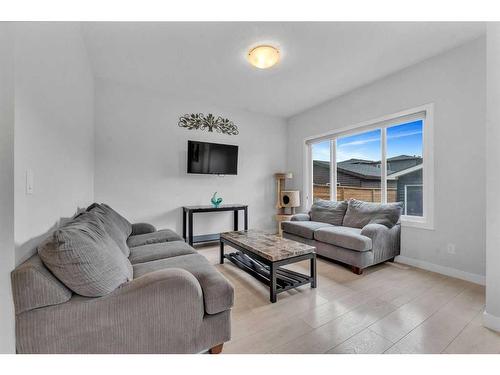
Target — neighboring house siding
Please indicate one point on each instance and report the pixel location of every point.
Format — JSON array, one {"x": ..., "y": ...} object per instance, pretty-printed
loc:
[
  {"x": 370, "y": 183},
  {"x": 322, "y": 177},
  {"x": 414, "y": 178},
  {"x": 344, "y": 179},
  {"x": 399, "y": 165},
  {"x": 391, "y": 184},
  {"x": 321, "y": 174}
]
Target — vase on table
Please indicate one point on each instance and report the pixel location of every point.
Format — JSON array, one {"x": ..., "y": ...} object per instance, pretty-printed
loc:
[{"x": 215, "y": 201}]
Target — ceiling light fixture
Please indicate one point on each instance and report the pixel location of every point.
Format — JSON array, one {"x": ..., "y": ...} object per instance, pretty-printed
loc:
[{"x": 263, "y": 56}]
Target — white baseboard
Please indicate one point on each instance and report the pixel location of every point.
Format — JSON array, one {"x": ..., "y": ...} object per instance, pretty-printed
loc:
[
  {"x": 448, "y": 271},
  {"x": 491, "y": 321}
]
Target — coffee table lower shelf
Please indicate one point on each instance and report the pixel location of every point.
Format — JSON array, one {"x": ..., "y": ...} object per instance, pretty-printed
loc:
[
  {"x": 263, "y": 270},
  {"x": 285, "y": 279}
]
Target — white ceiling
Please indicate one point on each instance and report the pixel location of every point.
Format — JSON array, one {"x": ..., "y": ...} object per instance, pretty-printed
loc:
[{"x": 206, "y": 61}]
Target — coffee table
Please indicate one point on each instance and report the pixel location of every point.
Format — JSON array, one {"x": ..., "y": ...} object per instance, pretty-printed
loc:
[{"x": 262, "y": 254}]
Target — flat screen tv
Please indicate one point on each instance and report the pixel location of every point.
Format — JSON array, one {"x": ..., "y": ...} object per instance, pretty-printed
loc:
[{"x": 212, "y": 158}]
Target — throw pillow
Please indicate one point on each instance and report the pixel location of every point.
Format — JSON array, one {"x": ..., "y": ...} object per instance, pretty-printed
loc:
[
  {"x": 361, "y": 213},
  {"x": 328, "y": 211},
  {"x": 85, "y": 258},
  {"x": 123, "y": 223},
  {"x": 112, "y": 226}
]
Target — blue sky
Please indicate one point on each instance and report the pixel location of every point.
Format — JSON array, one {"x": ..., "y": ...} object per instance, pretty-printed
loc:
[{"x": 401, "y": 139}]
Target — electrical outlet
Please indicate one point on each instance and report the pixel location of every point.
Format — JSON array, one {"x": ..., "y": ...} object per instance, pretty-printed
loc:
[{"x": 450, "y": 248}]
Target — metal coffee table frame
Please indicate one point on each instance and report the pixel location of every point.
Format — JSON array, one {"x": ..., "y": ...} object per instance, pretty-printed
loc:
[{"x": 269, "y": 272}]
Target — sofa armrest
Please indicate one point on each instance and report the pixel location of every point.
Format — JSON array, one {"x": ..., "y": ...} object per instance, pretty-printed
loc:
[
  {"x": 300, "y": 217},
  {"x": 142, "y": 228},
  {"x": 159, "y": 312},
  {"x": 385, "y": 241}
]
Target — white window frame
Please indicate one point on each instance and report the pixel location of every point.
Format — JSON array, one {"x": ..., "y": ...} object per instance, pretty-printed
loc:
[{"x": 427, "y": 220}]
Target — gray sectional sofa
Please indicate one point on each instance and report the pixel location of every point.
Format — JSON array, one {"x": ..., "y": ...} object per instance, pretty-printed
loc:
[
  {"x": 356, "y": 233},
  {"x": 102, "y": 285}
]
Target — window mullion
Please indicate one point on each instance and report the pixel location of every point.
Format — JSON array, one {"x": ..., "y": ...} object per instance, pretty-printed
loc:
[
  {"x": 310, "y": 172},
  {"x": 333, "y": 169},
  {"x": 383, "y": 166}
]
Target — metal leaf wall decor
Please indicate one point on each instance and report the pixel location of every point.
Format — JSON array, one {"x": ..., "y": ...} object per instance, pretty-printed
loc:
[{"x": 210, "y": 123}]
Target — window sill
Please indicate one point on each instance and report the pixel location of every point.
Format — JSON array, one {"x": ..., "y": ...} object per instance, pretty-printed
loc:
[{"x": 416, "y": 222}]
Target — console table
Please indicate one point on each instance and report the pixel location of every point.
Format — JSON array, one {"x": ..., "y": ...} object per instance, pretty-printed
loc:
[{"x": 189, "y": 211}]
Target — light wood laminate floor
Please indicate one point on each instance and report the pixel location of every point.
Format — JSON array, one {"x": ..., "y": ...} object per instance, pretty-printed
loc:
[{"x": 391, "y": 308}]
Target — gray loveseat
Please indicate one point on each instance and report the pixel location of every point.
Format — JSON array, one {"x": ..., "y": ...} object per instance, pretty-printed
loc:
[
  {"x": 356, "y": 233},
  {"x": 102, "y": 285}
]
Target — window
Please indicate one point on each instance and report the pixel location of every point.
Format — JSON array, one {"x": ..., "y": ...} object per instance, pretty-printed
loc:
[
  {"x": 387, "y": 160},
  {"x": 321, "y": 152},
  {"x": 358, "y": 166},
  {"x": 405, "y": 167},
  {"x": 413, "y": 200}
]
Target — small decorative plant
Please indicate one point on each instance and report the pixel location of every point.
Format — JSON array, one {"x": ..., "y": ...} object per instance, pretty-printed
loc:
[{"x": 216, "y": 201}]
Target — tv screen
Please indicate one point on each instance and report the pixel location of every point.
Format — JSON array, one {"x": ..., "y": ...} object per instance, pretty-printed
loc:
[{"x": 212, "y": 158}]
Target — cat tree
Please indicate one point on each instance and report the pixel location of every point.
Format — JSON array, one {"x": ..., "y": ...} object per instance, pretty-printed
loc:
[{"x": 286, "y": 200}]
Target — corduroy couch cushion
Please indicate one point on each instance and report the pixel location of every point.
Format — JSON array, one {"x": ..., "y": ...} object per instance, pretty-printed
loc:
[
  {"x": 114, "y": 226},
  {"x": 155, "y": 251},
  {"x": 330, "y": 212},
  {"x": 124, "y": 225},
  {"x": 85, "y": 258},
  {"x": 346, "y": 237},
  {"x": 218, "y": 293},
  {"x": 163, "y": 235},
  {"x": 303, "y": 229},
  {"x": 34, "y": 286},
  {"x": 361, "y": 213}
]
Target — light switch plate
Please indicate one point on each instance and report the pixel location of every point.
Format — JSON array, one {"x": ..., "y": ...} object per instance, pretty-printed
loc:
[{"x": 30, "y": 181}]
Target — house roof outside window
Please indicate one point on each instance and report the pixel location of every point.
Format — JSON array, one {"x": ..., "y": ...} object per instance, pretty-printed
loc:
[{"x": 367, "y": 169}]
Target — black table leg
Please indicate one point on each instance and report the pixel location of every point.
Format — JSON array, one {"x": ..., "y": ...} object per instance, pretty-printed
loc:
[
  {"x": 221, "y": 252},
  {"x": 184, "y": 224},
  {"x": 313, "y": 271},
  {"x": 190, "y": 232},
  {"x": 272, "y": 286},
  {"x": 235, "y": 226},
  {"x": 246, "y": 218}
]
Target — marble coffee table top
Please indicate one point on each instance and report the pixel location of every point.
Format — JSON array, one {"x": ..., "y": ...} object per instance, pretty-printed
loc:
[{"x": 267, "y": 245}]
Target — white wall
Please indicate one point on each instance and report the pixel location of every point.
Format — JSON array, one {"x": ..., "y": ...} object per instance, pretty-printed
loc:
[
  {"x": 141, "y": 160},
  {"x": 7, "y": 254},
  {"x": 54, "y": 131},
  {"x": 492, "y": 313},
  {"x": 455, "y": 83}
]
